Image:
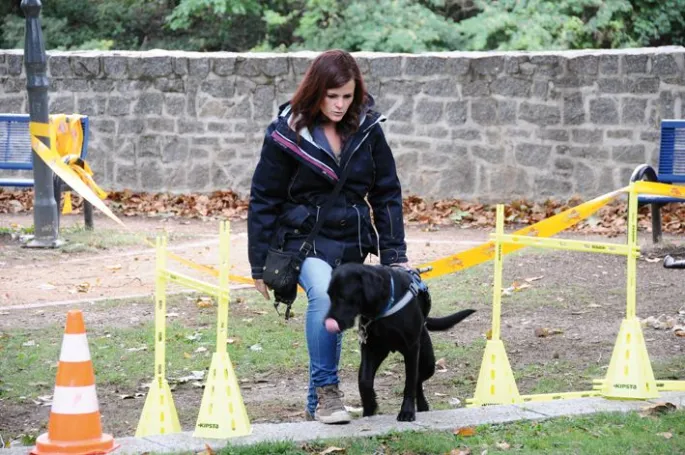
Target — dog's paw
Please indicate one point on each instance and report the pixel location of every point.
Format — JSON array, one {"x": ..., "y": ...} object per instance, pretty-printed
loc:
[{"x": 406, "y": 416}]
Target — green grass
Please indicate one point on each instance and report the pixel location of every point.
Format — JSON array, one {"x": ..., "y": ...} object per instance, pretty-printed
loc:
[
  {"x": 79, "y": 239},
  {"x": 605, "y": 433}
]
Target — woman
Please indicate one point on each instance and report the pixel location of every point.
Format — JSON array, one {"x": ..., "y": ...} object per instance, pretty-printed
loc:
[{"x": 328, "y": 124}]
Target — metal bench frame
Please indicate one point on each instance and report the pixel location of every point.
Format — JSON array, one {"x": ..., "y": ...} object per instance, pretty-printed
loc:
[{"x": 671, "y": 170}]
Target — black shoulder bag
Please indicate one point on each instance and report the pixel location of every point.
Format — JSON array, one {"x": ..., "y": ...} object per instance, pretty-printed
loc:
[{"x": 282, "y": 268}]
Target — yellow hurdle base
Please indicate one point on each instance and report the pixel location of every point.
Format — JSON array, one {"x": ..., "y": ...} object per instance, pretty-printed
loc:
[
  {"x": 670, "y": 386},
  {"x": 560, "y": 396},
  {"x": 159, "y": 413},
  {"x": 630, "y": 375},
  {"x": 222, "y": 412},
  {"x": 496, "y": 383}
]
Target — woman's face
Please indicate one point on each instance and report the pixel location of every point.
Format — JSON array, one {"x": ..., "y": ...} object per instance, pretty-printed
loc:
[{"x": 337, "y": 101}]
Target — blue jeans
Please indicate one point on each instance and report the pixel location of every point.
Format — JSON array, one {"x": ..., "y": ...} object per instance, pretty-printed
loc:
[{"x": 324, "y": 347}]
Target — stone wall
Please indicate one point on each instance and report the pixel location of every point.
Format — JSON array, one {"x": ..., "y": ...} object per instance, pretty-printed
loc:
[{"x": 487, "y": 126}]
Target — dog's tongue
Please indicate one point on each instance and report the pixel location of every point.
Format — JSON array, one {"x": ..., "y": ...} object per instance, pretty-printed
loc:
[{"x": 332, "y": 325}]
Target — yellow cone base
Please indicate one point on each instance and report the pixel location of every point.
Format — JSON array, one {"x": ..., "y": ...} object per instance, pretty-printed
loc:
[
  {"x": 496, "y": 384},
  {"x": 222, "y": 412},
  {"x": 630, "y": 374},
  {"x": 670, "y": 386},
  {"x": 159, "y": 413},
  {"x": 560, "y": 396},
  {"x": 67, "y": 207}
]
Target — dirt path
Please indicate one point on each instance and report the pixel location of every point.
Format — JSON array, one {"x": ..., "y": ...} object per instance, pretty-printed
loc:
[{"x": 35, "y": 277}]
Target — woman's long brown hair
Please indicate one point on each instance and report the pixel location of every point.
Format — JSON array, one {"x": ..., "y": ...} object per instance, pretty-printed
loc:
[{"x": 331, "y": 69}]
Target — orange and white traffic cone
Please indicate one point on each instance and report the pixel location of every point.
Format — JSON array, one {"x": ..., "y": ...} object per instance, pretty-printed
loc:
[{"x": 74, "y": 426}]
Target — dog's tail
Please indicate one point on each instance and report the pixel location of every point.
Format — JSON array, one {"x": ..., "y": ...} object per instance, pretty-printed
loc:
[{"x": 447, "y": 322}]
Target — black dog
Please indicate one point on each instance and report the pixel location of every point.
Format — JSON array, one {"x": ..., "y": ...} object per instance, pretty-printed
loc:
[{"x": 393, "y": 305}]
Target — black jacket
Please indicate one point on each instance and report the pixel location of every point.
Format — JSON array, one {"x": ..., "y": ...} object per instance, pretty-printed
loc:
[{"x": 293, "y": 180}]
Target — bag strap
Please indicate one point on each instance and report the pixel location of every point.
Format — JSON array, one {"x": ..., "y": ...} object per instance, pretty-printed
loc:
[{"x": 308, "y": 242}]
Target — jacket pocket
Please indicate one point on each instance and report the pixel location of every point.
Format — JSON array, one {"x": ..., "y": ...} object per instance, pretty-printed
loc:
[{"x": 296, "y": 217}]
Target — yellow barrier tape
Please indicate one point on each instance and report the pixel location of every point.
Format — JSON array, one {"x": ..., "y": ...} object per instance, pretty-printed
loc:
[
  {"x": 39, "y": 129},
  {"x": 544, "y": 228},
  {"x": 81, "y": 181},
  {"x": 71, "y": 178},
  {"x": 660, "y": 189}
]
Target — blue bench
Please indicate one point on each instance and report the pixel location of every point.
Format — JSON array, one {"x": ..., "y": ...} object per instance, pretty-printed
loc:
[
  {"x": 671, "y": 170},
  {"x": 16, "y": 154}
]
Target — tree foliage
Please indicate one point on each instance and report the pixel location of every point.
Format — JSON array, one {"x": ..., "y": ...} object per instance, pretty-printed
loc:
[
  {"x": 573, "y": 24},
  {"x": 355, "y": 25}
]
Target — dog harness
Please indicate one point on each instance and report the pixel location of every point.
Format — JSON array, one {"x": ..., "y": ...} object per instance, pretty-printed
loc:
[{"x": 417, "y": 285}]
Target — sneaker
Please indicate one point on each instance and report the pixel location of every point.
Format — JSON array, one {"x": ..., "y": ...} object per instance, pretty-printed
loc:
[{"x": 330, "y": 408}]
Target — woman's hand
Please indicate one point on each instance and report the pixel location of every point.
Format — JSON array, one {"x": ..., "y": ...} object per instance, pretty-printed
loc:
[{"x": 262, "y": 288}]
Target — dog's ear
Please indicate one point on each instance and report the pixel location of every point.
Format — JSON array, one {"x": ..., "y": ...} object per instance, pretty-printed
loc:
[{"x": 375, "y": 286}]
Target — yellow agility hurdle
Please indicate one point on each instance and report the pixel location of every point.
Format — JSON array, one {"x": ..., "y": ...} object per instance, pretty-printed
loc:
[
  {"x": 630, "y": 374},
  {"x": 222, "y": 411}
]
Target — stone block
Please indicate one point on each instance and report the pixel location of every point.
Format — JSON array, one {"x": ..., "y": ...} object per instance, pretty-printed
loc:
[
  {"x": 587, "y": 136},
  {"x": 490, "y": 154},
  {"x": 539, "y": 114},
  {"x": 534, "y": 155},
  {"x": 604, "y": 111},
  {"x": 149, "y": 103},
  {"x": 633, "y": 154},
  {"x": 416, "y": 65},
  {"x": 386, "y": 66},
  {"x": 635, "y": 64},
  {"x": 428, "y": 112},
  {"x": 633, "y": 111},
  {"x": 511, "y": 87}
]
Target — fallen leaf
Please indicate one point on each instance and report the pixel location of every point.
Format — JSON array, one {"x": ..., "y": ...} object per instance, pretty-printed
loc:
[
  {"x": 187, "y": 355},
  {"x": 208, "y": 451},
  {"x": 142, "y": 348},
  {"x": 503, "y": 445},
  {"x": 652, "y": 260},
  {"x": 83, "y": 287},
  {"x": 535, "y": 278},
  {"x": 464, "y": 451},
  {"x": 488, "y": 334},
  {"x": 332, "y": 449},
  {"x": 200, "y": 350},
  {"x": 543, "y": 332},
  {"x": 442, "y": 364},
  {"x": 113, "y": 267},
  {"x": 465, "y": 431},
  {"x": 204, "y": 302},
  {"x": 660, "y": 408},
  {"x": 666, "y": 435},
  {"x": 29, "y": 343}
]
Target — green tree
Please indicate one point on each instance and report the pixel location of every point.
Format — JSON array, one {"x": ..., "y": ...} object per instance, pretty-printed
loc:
[
  {"x": 573, "y": 24},
  {"x": 359, "y": 25}
]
